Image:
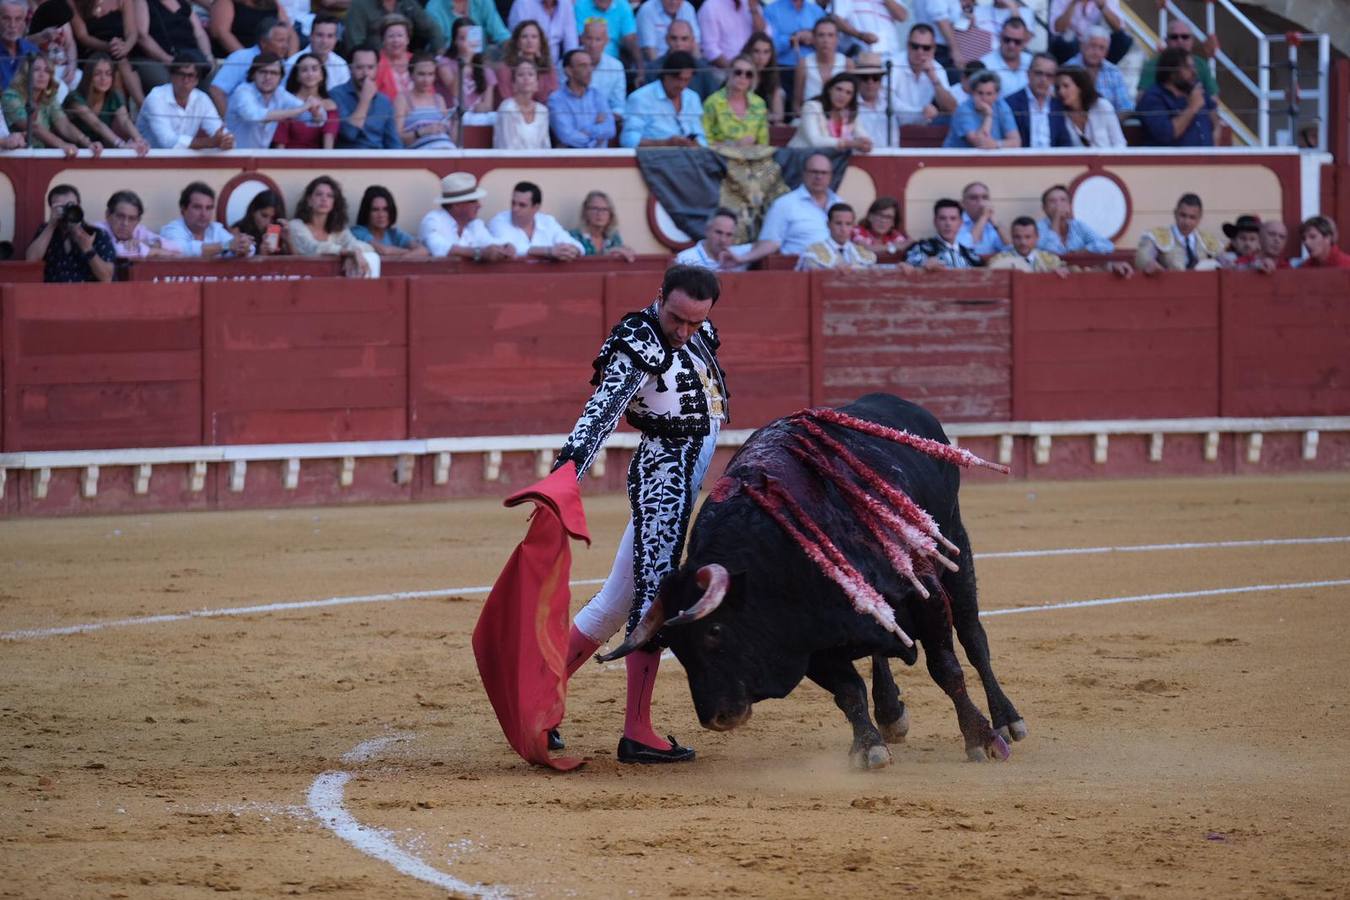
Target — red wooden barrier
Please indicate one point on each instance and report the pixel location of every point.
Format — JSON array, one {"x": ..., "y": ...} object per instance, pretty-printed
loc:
[
  {"x": 92, "y": 366},
  {"x": 1286, "y": 343},
  {"x": 501, "y": 354},
  {"x": 269, "y": 268},
  {"x": 1101, "y": 347},
  {"x": 653, "y": 262},
  {"x": 315, "y": 360},
  {"x": 937, "y": 339},
  {"x": 21, "y": 272}
]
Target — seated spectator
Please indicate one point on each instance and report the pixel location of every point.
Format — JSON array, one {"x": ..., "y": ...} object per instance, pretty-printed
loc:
[
  {"x": 323, "y": 38},
  {"x": 599, "y": 231},
  {"x": 880, "y": 230},
  {"x": 131, "y": 239},
  {"x": 261, "y": 102},
  {"x": 1037, "y": 111},
  {"x": 365, "y": 116},
  {"x": 1106, "y": 76},
  {"x": 71, "y": 249},
  {"x": 939, "y": 17},
  {"x": 522, "y": 121},
  {"x": 984, "y": 120},
  {"x": 840, "y": 251},
  {"x": 1181, "y": 245},
  {"x": 608, "y": 77},
  {"x": 1072, "y": 23},
  {"x": 196, "y": 230},
  {"x": 100, "y": 111},
  {"x": 961, "y": 90},
  {"x": 735, "y": 114},
  {"x": 1244, "y": 243},
  {"x": 797, "y": 219},
  {"x": 14, "y": 47},
  {"x": 393, "y": 73},
  {"x": 1274, "y": 238},
  {"x": 1180, "y": 37},
  {"x": 680, "y": 39},
  {"x": 10, "y": 141},
  {"x": 482, "y": 13},
  {"x": 108, "y": 27},
  {"x": 830, "y": 120},
  {"x": 792, "y": 25},
  {"x": 873, "y": 116},
  {"x": 875, "y": 24},
  {"x": 420, "y": 115},
  {"x": 768, "y": 83},
  {"x": 376, "y": 224},
  {"x": 558, "y": 21},
  {"x": 362, "y": 24},
  {"x": 177, "y": 116},
  {"x": 234, "y": 23},
  {"x": 653, "y": 20},
  {"x": 725, "y": 26},
  {"x": 1091, "y": 119},
  {"x": 472, "y": 84},
  {"x": 920, "y": 89},
  {"x": 942, "y": 251},
  {"x": 717, "y": 250},
  {"x": 1061, "y": 233},
  {"x": 531, "y": 232},
  {"x": 577, "y": 113},
  {"x": 263, "y": 224},
  {"x": 825, "y": 61},
  {"x": 1024, "y": 255},
  {"x": 665, "y": 112},
  {"x": 980, "y": 230},
  {"x": 168, "y": 28},
  {"x": 320, "y": 228},
  {"x": 316, "y": 129},
  {"x": 455, "y": 229},
  {"x": 1178, "y": 112},
  {"x": 527, "y": 43},
  {"x": 1010, "y": 61},
  {"x": 273, "y": 38},
  {"x": 620, "y": 24},
  {"x": 48, "y": 127},
  {"x": 1319, "y": 242}
]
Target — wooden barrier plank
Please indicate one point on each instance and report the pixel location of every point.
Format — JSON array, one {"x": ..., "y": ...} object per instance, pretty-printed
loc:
[
  {"x": 1286, "y": 343},
  {"x": 98, "y": 366},
  {"x": 314, "y": 360},
  {"x": 257, "y": 268},
  {"x": 1099, "y": 347}
]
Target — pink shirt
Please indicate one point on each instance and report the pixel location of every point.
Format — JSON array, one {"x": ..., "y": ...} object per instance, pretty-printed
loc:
[
  {"x": 142, "y": 240},
  {"x": 725, "y": 28}
]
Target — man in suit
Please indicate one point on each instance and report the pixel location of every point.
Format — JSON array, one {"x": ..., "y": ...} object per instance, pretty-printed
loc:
[{"x": 1036, "y": 109}]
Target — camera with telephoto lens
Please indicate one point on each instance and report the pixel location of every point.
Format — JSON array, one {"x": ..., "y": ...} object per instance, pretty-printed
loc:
[{"x": 73, "y": 217}]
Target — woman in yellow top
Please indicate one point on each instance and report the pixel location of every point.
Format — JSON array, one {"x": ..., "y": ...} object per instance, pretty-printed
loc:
[{"x": 735, "y": 114}]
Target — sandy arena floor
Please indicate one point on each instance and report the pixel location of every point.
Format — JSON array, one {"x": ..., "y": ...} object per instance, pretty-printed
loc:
[{"x": 1179, "y": 747}]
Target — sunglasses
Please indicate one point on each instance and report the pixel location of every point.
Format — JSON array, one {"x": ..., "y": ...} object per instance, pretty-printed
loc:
[
  {"x": 920, "y": 47},
  {"x": 1180, "y": 37},
  {"x": 184, "y": 73},
  {"x": 1013, "y": 40},
  {"x": 748, "y": 73},
  {"x": 869, "y": 76}
]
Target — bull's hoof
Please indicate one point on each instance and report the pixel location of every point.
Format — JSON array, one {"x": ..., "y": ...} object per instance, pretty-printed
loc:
[
  {"x": 1014, "y": 731},
  {"x": 998, "y": 748},
  {"x": 976, "y": 754},
  {"x": 873, "y": 757},
  {"x": 894, "y": 732}
]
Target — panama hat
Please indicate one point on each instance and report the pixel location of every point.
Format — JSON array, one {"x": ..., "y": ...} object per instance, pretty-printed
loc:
[
  {"x": 867, "y": 64},
  {"x": 460, "y": 187}
]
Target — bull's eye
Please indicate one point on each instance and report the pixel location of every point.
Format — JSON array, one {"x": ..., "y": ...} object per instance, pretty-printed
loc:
[{"x": 713, "y": 637}]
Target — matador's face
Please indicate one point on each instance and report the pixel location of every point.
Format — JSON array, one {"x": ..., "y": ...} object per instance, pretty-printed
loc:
[{"x": 681, "y": 316}]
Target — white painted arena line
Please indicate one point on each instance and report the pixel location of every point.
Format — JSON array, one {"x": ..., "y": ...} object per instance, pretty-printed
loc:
[
  {"x": 33, "y": 633},
  {"x": 1176, "y": 595}
]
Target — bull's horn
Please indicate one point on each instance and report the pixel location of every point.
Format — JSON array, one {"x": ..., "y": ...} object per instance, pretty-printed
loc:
[
  {"x": 646, "y": 629},
  {"x": 714, "y": 580}
]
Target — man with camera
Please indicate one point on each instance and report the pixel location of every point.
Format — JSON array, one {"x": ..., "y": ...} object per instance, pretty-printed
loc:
[{"x": 72, "y": 249}]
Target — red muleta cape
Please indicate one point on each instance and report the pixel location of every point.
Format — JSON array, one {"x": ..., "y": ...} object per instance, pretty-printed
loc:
[{"x": 520, "y": 642}]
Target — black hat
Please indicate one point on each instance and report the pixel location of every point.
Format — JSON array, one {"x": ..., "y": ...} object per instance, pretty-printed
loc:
[{"x": 1244, "y": 223}]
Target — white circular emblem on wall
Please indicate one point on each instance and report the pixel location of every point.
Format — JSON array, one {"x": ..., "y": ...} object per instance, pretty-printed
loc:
[
  {"x": 666, "y": 227},
  {"x": 241, "y": 196},
  {"x": 1100, "y": 202}
]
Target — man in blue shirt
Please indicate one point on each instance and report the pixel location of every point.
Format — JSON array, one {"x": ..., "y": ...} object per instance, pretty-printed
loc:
[
  {"x": 984, "y": 119},
  {"x": 13, "y": 48},
  {"x": 367, "y": 115},
  {"x": 618, "y": 15},
  {"x": 577, "y": 113},
  {"x": 273, "y": 37},
  {"x": 653, "y": 21},
  {"x": 665, "y": 113},
  {"x": 979, "y": 230},
  {"x": 797, "y": 219},
  {"x": 792, "y": 21},
  {"x": 1176, "y": 112}
]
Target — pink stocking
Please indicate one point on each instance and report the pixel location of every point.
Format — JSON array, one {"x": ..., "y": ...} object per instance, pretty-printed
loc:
[
  {"x": 642, "y": 666},
  {"x": 579, "y": 649}
]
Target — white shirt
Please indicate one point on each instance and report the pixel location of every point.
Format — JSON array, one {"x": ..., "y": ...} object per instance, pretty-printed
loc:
[
  {"x": 1038, "y": 119},
  {"x": 912, "y": 92},
  {"x": 168, "y": 126},
  {"x": 512, "y": 132},
  {"x": 440, "y": 233},
  {"x": 335, "y": 67},
  {"x": 796, "y": 222},
  {"x": 1010, "y": 80},
  {"x": 872, "y": 118},
  {"x": 930, "y": 12},
  {"x": 1102, "y": 128},
  {"x": 872, "y": 16},
  {"x": 178, "y": 232},
  {"x": 1085, "y": 16},
  {"x": 246, "y": 115},
  {"x": 547, "y": 232},
  {"x": 697, "y": 255}
]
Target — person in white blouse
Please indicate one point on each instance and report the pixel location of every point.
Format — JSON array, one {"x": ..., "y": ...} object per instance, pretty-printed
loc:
[
  {"x": 831, "y": 119},
  {"x": 522, "y": 122},
  {"x": 177, "y": 116},
  {"x": 455, "y": 229},
  {"x": 1091, "y": 119},
  {"x": 320, "y": 229},
  {"x": 531, "y": 232}
]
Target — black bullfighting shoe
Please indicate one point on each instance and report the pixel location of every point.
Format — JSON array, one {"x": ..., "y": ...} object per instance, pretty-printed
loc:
[
  {"x": 555, "y": 741},
  {"x": 630, "y": 751}
]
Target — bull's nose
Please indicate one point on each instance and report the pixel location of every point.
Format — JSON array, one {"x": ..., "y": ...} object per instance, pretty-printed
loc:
[{"x": 725, "y": 721}]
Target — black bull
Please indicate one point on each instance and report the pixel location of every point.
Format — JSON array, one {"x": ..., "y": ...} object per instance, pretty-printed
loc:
[{"x": 751, "y": 612}]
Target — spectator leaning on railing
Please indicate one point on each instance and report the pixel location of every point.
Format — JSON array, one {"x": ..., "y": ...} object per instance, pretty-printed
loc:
[
  {"x": 1180, "y": 246},
  {"x": 71, "y": 249},
  {"x": 1274, "y": 239},
  {"x": 257, "y": 105},
  {"x": 665, "y": 113},
  {"x": 10, "y": 141},
  {"x": 100, "y": 111},
  {"x": 1060, "y": 232},
  {"x": 942, "y": 251},
  {"x": 578, "y": 115},
  {"x": 131, "y": 239},
  {"x": 1319, "y": 241},
  {"x": 320, "y": 229},
  {"x": 797, "y": 219},
  {"x": 455, "y": 229},
  {"x": 598, "y": 234},
  {"x": 531, "y": 232},
  {"x": 377, "y": 225},
  {"x": 47, "y": 127},
  {"x": 177, "y": 116},
  {"x": 716, "y": 250},
  {"x": 264, "y": 222},
  {"x": 196, "y": 229},
  {"x": 839, "y": 251}
]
